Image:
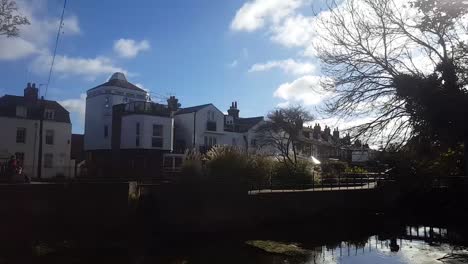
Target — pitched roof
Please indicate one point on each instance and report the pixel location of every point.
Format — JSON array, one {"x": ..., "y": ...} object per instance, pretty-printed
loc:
[
  {"x": 191, "y": 109},
  {"x": 8, "y": 105},
  {"x": 249, "y": 122},
  {"x": 120, "y": 83},
  {"x": 243, "y": 124}
]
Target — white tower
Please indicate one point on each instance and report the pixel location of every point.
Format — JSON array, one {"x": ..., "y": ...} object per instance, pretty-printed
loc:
[{"x": 99, "y": 102}]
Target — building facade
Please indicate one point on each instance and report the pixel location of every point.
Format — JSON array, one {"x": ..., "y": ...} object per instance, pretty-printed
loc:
[
  {"x": 126, "y": 135},
  {"x": 20, "y": 118},
  {"x": 204, "y": 126}
]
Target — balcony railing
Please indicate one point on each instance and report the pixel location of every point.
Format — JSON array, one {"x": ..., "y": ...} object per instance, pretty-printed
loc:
[{"x": 211, "y": 126}]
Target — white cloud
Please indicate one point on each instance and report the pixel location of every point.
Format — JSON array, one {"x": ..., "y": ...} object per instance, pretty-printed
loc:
[
  {"x": 256, "y": 13},
  {"x": 288, "y": 66},
  {"x": 307, "y": 90},
  {"x": 35, "y": 37},
  {"x": 295, "y": 31},
  {"x": 129, "y": 48},
  {"x": 77, "y": 106},
  {"x": 89, "y": 68},
  {"x": 15, "y": 48}
]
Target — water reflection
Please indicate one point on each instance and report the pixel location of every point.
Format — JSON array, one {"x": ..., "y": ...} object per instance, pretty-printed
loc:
[{"x": 411, "y": 244}]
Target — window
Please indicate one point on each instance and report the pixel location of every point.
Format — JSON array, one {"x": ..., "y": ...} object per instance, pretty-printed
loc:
[
  {"x": 49, "y": 114},
  {"x": 106, "y": 131},
  {"x": 211, "y": 116},
  {"x": 20, "y": 157},
  {"x": 137, "y": 132},
  {"x": 210, "y": 141},
  {"x": 157, "y": 139},
  {"x": 48, "y": 160},
  {"x": 157, "y": 130},
  {"x": 253, "y": 142},
  {"x": 21, "y": 111},
  {"x": 20, "y": 135},
  {"x": 49, "y": 137},
  {"x": 107, "y": 102}
]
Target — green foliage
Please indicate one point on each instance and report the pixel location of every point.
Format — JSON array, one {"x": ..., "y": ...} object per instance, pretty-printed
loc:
[
  {"x": 333, "y": 168},
  {"x": 286, "y": 176},
  {"x": 232, "y": 166},
  {"x": 355, "y": 169},
  {"x": 192, "y": 169},
  {"x": 279, "y": 248}
]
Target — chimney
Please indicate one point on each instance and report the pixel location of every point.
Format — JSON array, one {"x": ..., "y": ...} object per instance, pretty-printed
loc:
[
  {"x": 233, "y": 111},
  {"x": 31, "y": 93},
  {"x": 173, "y": 103},
  {"x": 317, "y": 131},
  {"x": 336, "y": 134}
]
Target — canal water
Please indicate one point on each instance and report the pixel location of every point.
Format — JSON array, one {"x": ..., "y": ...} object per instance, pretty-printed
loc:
[{"x": 322, "y": 242}]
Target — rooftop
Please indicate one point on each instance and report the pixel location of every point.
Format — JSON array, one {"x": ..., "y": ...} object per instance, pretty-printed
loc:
[
  {"x": 8, "y": 104},
  {"x": 118, "y": 79},
  {"x": 192, "y": 109}
]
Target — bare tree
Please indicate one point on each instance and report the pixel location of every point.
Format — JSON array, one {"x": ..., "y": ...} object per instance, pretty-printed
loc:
[
  {"x": 282, "y": 131},
  {"x": 367, "y": 46},
  {"x": 10, "y": 19}
]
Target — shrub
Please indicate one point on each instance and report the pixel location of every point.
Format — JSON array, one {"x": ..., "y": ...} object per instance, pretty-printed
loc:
[
  {"x": 228, "y": 165},
  {"x": 355, "y": 170},
  {"x": 192, "y": 168},
  {"x": 332, "y": 169},
  {"x": 299, "y": 176}
]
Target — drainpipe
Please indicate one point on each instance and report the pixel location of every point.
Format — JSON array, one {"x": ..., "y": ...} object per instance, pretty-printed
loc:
[{"x": 194, "y": 127}]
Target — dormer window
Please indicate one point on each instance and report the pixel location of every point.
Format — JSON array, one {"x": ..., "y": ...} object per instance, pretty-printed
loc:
[
  {"x": 49, "y": 114},
  {"x": 21, "y": 111}
]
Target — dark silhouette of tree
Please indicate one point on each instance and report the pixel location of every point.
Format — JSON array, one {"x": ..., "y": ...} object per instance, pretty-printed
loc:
[
  {"x": 403, "y": 65},
  {"x": 10, "y": 19},
  {"x": 282, "y": 131}
]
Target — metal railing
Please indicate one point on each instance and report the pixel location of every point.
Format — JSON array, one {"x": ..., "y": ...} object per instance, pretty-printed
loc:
[{"x": 340, "y": 182}]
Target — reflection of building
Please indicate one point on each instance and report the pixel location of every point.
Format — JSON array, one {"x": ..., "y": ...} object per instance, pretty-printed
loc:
[{"x": 19, "y": 117}]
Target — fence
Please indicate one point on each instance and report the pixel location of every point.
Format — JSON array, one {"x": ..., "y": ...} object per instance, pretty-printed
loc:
[{"x": 315, "y": 183}]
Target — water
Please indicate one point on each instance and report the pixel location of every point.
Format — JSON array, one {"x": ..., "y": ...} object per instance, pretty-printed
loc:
[{"x": 321, "y": 243}]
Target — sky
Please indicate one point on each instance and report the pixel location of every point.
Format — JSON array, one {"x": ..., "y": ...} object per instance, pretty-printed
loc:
[{"x": 256, "y": 52}]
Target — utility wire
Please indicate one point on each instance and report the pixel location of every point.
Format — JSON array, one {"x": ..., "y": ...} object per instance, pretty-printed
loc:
[{"x": 55, "y": 48}]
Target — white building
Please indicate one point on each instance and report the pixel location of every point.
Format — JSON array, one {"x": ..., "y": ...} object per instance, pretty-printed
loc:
[
  {"x": 19, "y": 117},
  {"x": 204, "y": 126},
  {"x": 126, "y": 135},
  {"x": 99, "y": 103}
]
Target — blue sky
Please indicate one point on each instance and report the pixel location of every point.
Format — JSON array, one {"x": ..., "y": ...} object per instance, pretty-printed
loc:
[{"x": 256, "y": 52}]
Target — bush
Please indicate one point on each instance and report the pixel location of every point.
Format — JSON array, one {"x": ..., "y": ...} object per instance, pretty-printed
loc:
[
  {"x": 355, "y": 170},
  {"x": 284, "y": 176},
  {"x": 331, "y": 170},
  {"x": 192, "y": 168}
]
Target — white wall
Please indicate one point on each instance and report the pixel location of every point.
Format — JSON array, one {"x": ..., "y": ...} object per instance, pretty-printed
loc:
[
  {"x": 128, "y": 132},
  {"x": 99, "y": 104},
  {"x": 200, "y": 127},
  {"x": 60, "y": 149}
]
